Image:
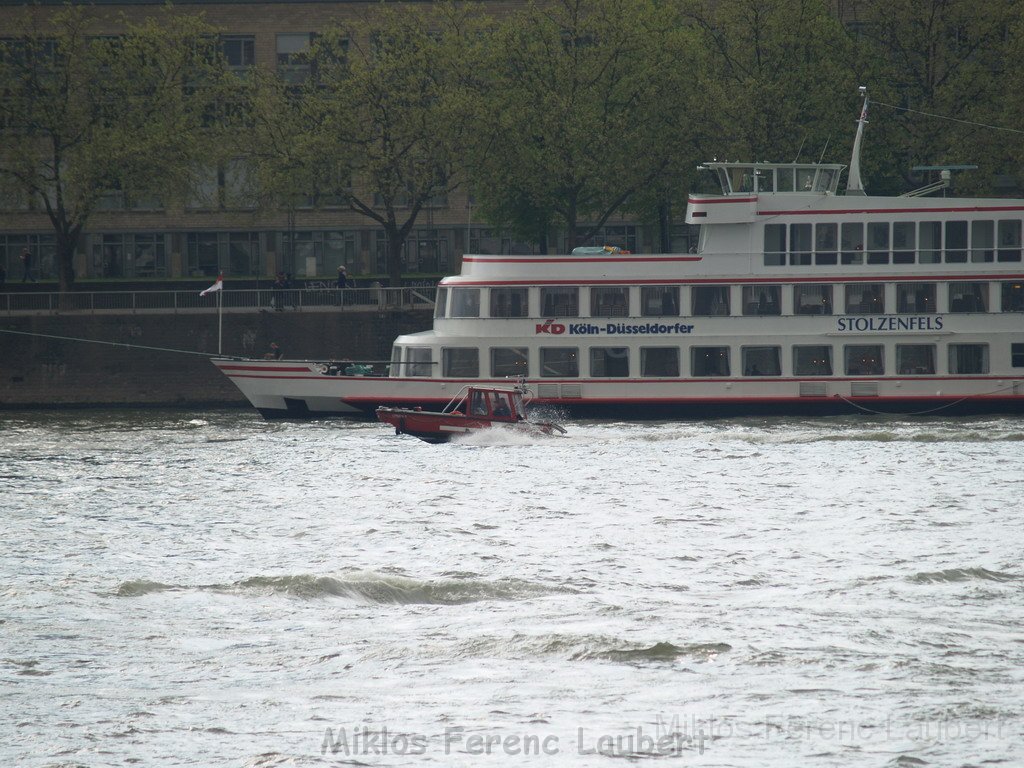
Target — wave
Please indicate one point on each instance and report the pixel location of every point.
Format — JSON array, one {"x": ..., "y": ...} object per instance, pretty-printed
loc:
[
  {"x": 659, "y": 652},
  {"x": 962, "y": 574}
]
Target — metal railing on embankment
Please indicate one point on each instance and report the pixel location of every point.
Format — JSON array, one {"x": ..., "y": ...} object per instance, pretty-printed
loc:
[{"x": 245, "y": 300}]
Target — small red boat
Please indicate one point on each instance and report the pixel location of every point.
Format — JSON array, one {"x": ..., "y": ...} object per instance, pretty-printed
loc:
[{"x": 473, "y": 409}]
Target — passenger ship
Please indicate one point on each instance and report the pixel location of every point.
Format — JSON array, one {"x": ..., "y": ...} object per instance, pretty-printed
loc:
[{"x": 799, "y": 299}]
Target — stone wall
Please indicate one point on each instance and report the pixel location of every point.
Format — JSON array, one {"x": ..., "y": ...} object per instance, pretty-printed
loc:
[{"x": 40, "y": 372}]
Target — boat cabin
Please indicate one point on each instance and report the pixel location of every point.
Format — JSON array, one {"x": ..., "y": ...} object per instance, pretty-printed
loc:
[
  {"x": 771, "y": 178},
  {"x": 495, "y": 404}
]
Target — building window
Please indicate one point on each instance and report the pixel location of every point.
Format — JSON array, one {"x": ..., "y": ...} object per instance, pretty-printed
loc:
[
  {"x": 440, "y": 302},
  {"x": 709, "y": 361},
  {"x": 659, "y": 301},
  {"x": 1017, "y": 355},
  {"x": 509, "y": 302},
  {"x": 233, "y": 253},
  {"x": 761, "y": 361},
  {"x": 228, "y": 187},
  {"x": 915, "y": 359},
  {"x": 420, "y": 361},
  {"x": 956, "y": 242},
  {"x": 428, "y": 251},
  {"x": 710, "y": 300},
  {"x": 460, "y": 362},
  {"x": 465, "y": 302},
  {"x": 864, "y": 360},
  {"x": 609, "y": 301},
  {"x": 317, "y": 252},
  {"x": 1013, "y": 297},
  {"x": 659, "y": 361},
  {"x": 915, "y": 298},
  {"x": 968, "y": 297},
  {"x": 1009, "y": 240},
  {"x": 609, "y": 362},
  {"x": 968, "y": 358},
  {"x": 239, "y": 51},
  {"x": 560, "y": 301},
  {"x": 762, "y": 299},
  {"x": 812, "y": 360},
  {"x": 812, "y": 299},
  {"x": 865, "y": 298},
  {"x": 293, "y": 57},
  {"x": 559, "y": 362},
  {"x": 509, "y": 362}
]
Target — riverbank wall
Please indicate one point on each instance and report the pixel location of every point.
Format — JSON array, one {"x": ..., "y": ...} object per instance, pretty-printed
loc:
[{"x": 38, "y": 370}]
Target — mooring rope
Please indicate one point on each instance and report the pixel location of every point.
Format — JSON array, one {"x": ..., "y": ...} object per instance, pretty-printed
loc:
[
  {"x": 113, "y": 343},
  {"x": 943, "y": 407}
]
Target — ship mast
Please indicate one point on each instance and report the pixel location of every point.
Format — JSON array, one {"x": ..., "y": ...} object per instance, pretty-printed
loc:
[{"x": 854, "y": 186}]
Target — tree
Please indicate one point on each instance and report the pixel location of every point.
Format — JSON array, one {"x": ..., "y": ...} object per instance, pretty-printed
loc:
[{"x": 90, "y": 115}]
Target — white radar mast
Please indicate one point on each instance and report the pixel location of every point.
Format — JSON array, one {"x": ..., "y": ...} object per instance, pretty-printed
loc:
[{"x": 854, "y": 186}]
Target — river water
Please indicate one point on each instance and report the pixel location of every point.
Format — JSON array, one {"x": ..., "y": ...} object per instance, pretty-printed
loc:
[{"x": 210, "y": 589}]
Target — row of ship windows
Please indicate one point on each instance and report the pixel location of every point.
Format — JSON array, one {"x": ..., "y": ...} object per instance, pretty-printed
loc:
[
  {"x": 898, "y": 242},
  {"x": 717, "y": 300},
  {"x": 705, "y": 361}
]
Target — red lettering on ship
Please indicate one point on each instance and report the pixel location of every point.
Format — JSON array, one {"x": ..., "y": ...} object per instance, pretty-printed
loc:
[{"x": 550, "y": 327}]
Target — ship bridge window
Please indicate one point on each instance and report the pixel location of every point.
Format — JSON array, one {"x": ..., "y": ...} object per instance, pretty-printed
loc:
[
  {"x": 825, "y": 244},
  {"x": 465, "y": 302},
  {"x": 805, "y": 179},
  {"x": 929, "y": 242},
  {"x": 824, "y": 182},
  {"x": 956, "y": 242},
  {"x": 1009, "y": 240},
  {"x": 812, "y": 299},
  {"x": 509, "y": 362},
  {"x": 509, "y": 302},
  {"x": 659, "y": 361},
  {"x": 968, "y": 358},
  {"x": 878, "y": 242},
  {"x": 560, "y": 301},
  {"x": 609, "y": 362},
  {"x": 915, "y": 298},
  {"x": 784, "y": 179},
  {"x": 440, "y": 302},
  {"x": 419, "y": 361},
  {"x": 761, "y": 361},
  {"x": 904, "y": 236},
  {"x": 968, "y": 297},
  {"x": 762, "y": 299},
  {"x": 1013, "y": 296},
  {"x": 983, "y": 241},
  {"x": 774, "y": 245},
  {"x": 460, "y": 362},
  {"x": 865, "y": 298},
  {"x": 709, "y": 361},
  {"x": 852, "y": 243},
  {"x": 558, "y": 362},
  {"x": 812, "y": 360},
  {"x": 799, "y": 244},
  {"x": 915, "y": 359},
  {"x": 609, "y": 301},
  {"x": 659, "y": 301},
  {"x": 710, "y": 300},
  {"x": 864, "y": 360}
]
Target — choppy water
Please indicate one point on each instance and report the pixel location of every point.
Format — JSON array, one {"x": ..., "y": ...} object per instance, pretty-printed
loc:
[{"x": 216, "y": 590}]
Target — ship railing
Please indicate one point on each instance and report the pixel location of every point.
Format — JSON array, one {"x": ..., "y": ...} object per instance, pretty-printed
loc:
[{"x": 241, "y": 300}]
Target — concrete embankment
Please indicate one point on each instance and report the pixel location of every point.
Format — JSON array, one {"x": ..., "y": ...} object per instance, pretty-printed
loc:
[{"x": 41, "y": 372}]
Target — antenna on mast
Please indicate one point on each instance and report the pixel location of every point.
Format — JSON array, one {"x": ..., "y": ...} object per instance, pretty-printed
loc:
[{"x": 854, "y": 186}]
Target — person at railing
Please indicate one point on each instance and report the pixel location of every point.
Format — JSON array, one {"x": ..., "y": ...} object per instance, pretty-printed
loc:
[
  {"x": 278, "y": 298},
  {"x": 342, "y": 283},
  {"x": 26, "y": 260},
  {"x": 274, "y": 353}
]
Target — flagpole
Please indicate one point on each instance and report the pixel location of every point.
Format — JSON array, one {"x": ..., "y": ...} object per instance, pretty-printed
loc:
[{"x": 220, "y": 320}]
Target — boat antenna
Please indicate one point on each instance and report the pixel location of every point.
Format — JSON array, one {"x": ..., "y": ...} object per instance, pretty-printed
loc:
[
  {"x": 800, "y": 150},
  {"x": 821, "y": 158},
  {"x": 854, "y": 186}
]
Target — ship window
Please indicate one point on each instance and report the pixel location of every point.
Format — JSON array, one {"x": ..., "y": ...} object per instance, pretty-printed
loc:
[
  {"x": 762, "y": 299},
  {"x": 709, "y": 361},
  {"x": 825, "y": 243},
  {"x": 775, "y": 244},
  {"x": 395, "y": 369},
  {"x": 609, "y": 362},
  {"x": 609, "y": 301},
  {"x": 968, "y": 297},
  {"x": 915, "y": 359},
  {"x": 560, "y": 301},
  {"x": 929, "y": 242},
  {"x": 509, "y": 361},
  {"x": 710, "y": 300},
  {"x": 968, "y": 358},
  {"x": 878, "y": 242},
  {"x": 1017, "y": 355},
  {"x": 440, "y": 302},
  {"x": 865, "y": 298},
  {"x": 460, "y": 362},
  {"x": 799, "y": 244},
  {"x": 915, "y": 298},
  {"x": 419, "y": 362},
  {"x": 1009, "y": 240},
  {"x": 864, "y": 360},
  {"x": 761, "y": 361},
  {"x": 465, "y": 302},
  {"x": 813, "y": 299},
  {"x": 509, "y": 302},
  {"x": 904, "y": 235},
  {"x": 784, "y": 180},
  {"x": 804, "y": 179},
  {"x": 1013, "y": 297},
  {"x": 659, "y": 301},
  {"x": 956, "y": 242},
  {"x": 559, "y": 362},
  {"x": 659, "y": 361},
  {"x": 824, "y": 179},
  {"x": 982, "y": 241},
  {"x": 852, "y": 243},
  {"x": 812, "y": 360}
]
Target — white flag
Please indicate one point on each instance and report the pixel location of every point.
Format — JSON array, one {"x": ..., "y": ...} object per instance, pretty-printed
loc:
[{"x": 219, "y": 285}]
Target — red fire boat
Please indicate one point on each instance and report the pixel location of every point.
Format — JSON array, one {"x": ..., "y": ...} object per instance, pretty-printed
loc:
[{"x": 472, "y": 409}]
